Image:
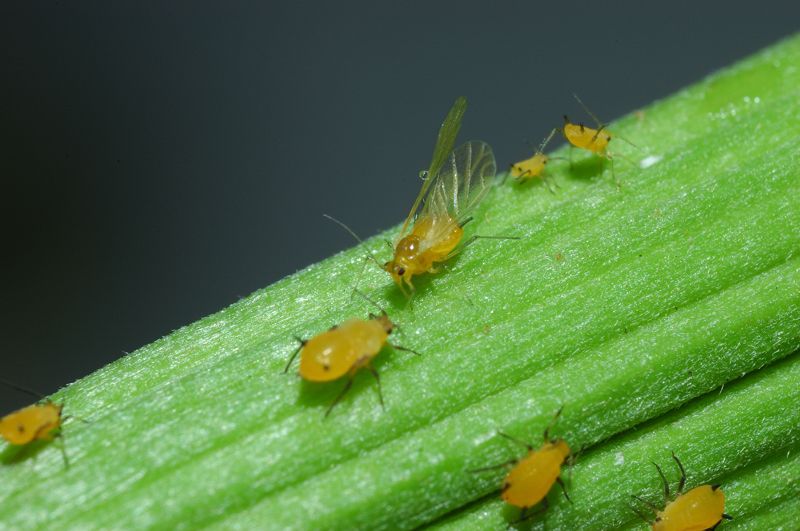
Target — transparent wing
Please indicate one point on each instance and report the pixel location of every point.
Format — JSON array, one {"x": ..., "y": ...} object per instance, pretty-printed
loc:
[
  {"x": 462, "y": 183},
  {"x": 445, "y": 141},
  {"x": 457, "y": 189}
]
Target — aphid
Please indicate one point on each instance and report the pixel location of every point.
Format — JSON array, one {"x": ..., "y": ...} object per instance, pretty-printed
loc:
[
  {"x": 531, "y": 478},
  {"x": 592, "y": 140},
  {"x": 37, "y": 422},
  {"x": 701, "y": 508},
  {"x": 534, "y": 167},
  {"x": 343, "y": 350},
  {"x": 455, "y": 183}
]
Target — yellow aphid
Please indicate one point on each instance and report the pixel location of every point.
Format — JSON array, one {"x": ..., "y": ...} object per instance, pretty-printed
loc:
[
  {"x": 38, "y": 422},
  {"x": 530, "y": 168},
  {"x": 533, "y": 167},
  {"x": 343, "y": 350},
  {"x": 593, "y": 140},
  {"x": 701, "y": 508},
  {"x": 532, "y": 477},
  {"x": 455, "y": 183},
  {"x": 588, "y": 138}
]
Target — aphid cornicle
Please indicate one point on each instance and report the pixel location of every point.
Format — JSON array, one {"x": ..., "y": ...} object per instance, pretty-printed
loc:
[
  {"x": 701, "y": 508},
  {"x": 455, "y": 183},
  {"x": 532, "y": 477},
  {"x": 534, "y": 167},
  {"x": 343, "y": 350},
  {"x": 37, "y": 422}
]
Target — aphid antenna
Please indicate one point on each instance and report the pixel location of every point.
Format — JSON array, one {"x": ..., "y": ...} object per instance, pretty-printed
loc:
[
  {"x": 682, "y": 482},
  {"x": 664, "y": 481},
  {"x": 364, "y": 296},
  {"x": 600, "y": 125},
  {"x": 26, "y": 390},
  {"x": 617, "y": 135},
  {"x": 354, "y": 235},
  {"x": 551, "y": 424},
  {"x": 645, "y": 502},
  {"x": 493, "y": 467},
  {"x": 546, "y": 141},
  {"x": 515, "y": 440},
  {"x": 404, "y": 349}
]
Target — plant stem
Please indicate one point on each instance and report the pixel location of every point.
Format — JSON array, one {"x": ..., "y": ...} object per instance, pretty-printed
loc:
[{"x": 620, "y": 305}]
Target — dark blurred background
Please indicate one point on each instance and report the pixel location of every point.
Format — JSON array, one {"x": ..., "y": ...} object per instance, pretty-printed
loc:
[{"x": 159, "y": 160}]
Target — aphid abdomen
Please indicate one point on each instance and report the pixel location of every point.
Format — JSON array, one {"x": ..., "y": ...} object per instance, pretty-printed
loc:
[
  {"x": 587, "y": 138},
  {"x": 31, "y": 423},
  {"x": 367, "y": 338},
  {"x": 700, "y": 508},
  {"x": 531, "y": 479},
  {"x": 327, "y": 356}
]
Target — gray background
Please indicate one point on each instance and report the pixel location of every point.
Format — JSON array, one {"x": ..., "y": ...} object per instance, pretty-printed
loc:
[{"x": 160, "y": 160}]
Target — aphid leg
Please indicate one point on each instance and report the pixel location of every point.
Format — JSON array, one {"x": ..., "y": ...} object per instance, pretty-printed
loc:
[
  {"x": 551, "y": 184},
  {"x": 295, "y": 353},
  {"x": 527, "y": 514},
  {"x": 494, "y": 467},
  {"x": 551, "y": 424},
  {"x": 563, "y": 488},
  {"x": 62, "y": 446},
  {"x": 409, "y": 294},
  {"x": 664, "y": 481},
  {"x": 378, "y": 380},
  {"x": 521, "y": 177},
  {"x": 404, "y": 349},
  {"x": 340, "y": 395},
  {"x": 682, "y": 482},
  {"x": 465, "y": 222},
  {"x": 727, "y": 516},
  {"x": 515, "y": 440},
  {"x": 613, "y": 174},
  {"x": 65, "y": 418}
]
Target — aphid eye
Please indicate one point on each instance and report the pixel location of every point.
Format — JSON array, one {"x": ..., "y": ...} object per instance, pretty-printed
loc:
[{"x": 401, "y": 271}]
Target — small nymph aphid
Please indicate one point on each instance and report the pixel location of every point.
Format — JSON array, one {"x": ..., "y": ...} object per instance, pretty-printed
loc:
[
  {"x": 534, "y": 167},
  {"x": 701, "y": 508},
  {"x": 343, "y": 350},
  {"x": 593, "y": 140},
  {"x": 37, "y": 422},
  {"x": 455, "y": 183},
  {"x": 531, "y": 477}
]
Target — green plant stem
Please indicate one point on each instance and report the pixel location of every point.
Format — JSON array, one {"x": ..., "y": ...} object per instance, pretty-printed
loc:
[
  {"x": 720, "y": 432},
  {"x": 619, "y": 305}
]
